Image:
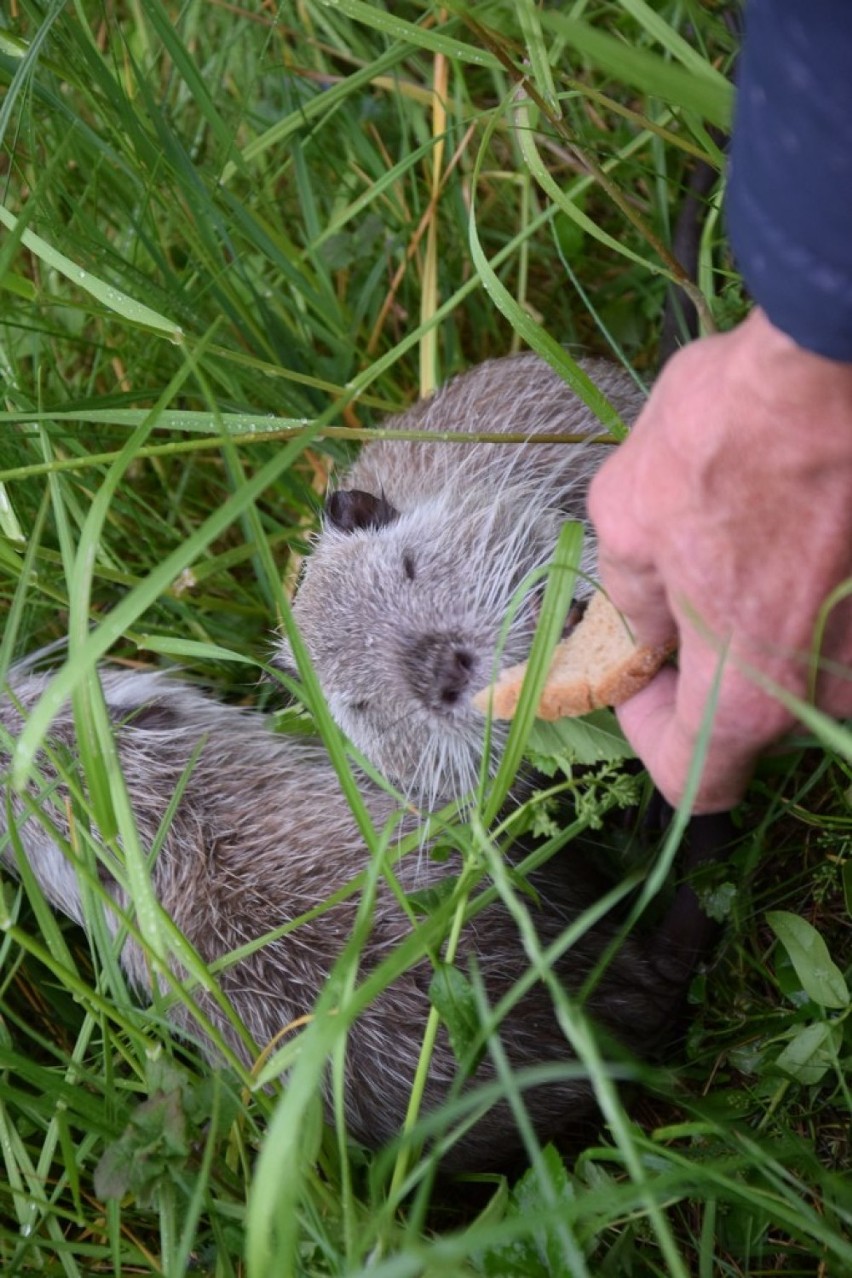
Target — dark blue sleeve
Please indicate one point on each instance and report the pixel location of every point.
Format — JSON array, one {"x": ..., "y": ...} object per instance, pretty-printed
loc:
[{"x": 789, "y": 202}]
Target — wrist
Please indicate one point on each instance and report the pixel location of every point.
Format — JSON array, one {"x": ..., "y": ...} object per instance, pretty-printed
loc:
[{"x": 790, "y": 375}]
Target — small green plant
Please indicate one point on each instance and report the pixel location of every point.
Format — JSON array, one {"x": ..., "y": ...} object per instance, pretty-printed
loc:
[{"x": 821, "y": 1042}]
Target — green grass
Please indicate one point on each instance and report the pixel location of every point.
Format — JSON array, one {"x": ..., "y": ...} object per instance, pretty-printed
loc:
[{"x": 233, "y": 239}]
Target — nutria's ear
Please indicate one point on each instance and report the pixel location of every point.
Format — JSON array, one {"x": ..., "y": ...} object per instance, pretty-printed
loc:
[{"x": 351, "y": 509}]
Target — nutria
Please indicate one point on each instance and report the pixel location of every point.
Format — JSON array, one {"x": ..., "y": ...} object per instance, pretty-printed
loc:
[{"x": 439, "y": 537}]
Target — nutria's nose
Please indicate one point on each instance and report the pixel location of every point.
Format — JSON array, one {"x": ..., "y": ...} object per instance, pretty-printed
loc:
[{"x": 438, "y": 668}]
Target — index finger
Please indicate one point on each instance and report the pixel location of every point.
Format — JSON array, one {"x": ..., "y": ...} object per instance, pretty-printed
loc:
[{"x": 626, "y": 554}]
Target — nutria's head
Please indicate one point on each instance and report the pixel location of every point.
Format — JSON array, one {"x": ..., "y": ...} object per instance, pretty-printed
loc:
[{"x": 402, "y": 614}]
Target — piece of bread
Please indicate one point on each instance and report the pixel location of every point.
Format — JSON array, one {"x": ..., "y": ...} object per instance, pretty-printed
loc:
[{"x": 598, "y": 665}]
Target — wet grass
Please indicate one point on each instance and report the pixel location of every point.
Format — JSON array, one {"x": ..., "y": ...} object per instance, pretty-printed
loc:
[{"x": 234, "y": 238}]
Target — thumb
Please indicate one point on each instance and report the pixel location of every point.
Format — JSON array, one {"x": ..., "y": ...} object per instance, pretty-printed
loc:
[{"x": 659, "y": 732}]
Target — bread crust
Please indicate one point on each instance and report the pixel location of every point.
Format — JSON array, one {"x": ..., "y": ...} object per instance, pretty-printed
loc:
[{"x": 598, "y": 665}]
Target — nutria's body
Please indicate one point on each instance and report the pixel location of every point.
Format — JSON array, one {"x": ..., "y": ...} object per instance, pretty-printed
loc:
[{"x": 262, "y": 833}]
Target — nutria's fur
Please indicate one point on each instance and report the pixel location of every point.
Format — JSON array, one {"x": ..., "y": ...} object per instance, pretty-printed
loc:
[{"x": 262, "y": 833}]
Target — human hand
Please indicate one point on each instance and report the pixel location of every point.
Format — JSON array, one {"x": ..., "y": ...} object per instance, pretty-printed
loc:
[{"x": 726, "y": 519}]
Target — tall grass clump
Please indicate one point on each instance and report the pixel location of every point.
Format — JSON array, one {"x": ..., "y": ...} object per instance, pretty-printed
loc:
[{"x": 232, "y": 239}]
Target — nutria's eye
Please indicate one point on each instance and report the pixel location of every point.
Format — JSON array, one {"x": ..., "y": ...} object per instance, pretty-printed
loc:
[
  {"x": 408, "y": 566},
  {"x": 360, "y": 706}
]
